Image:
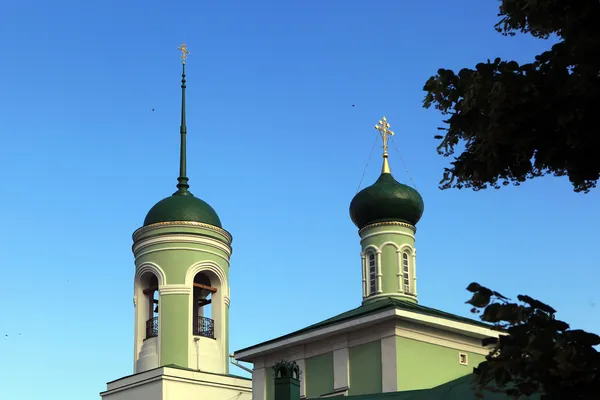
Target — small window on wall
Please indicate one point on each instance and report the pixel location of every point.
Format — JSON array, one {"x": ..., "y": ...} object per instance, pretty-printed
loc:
[
  {"x": 372, "y": 274},
  {"x": 463, "y": 359},
  {"x": 405, "y": 271}
]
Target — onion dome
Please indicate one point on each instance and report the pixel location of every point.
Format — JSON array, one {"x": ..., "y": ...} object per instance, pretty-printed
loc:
[{"x": 387, "y": 199}]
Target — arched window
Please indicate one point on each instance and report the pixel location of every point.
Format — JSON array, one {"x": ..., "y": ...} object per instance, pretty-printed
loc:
[
  {"x": 372, "y": 273},
  {"x": 151, "y": 296},
  {"x": 405, "y": 273},
  {"x": 202, "y": 322}
]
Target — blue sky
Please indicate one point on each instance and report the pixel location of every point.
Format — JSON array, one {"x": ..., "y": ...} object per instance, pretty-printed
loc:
[{"x": 275, "y": 146}]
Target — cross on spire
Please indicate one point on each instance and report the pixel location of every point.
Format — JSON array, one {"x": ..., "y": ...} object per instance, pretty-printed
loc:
[
  {"x": 184, "y": 52},
  {"x": 384, "y": 130}
]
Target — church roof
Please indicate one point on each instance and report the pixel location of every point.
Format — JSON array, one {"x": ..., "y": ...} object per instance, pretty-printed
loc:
[
  {"x": 458, "y": 389},
  {"x": 385, "y": 303}
]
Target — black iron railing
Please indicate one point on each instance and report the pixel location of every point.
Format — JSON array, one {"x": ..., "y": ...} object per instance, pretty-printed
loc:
[
  {"x": 204, "y": 327},
  {"x": 152, "y": 328}
]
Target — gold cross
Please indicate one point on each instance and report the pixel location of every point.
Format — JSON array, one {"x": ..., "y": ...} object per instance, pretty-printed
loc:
[
  {"x": 384, "y": 129},
  {"x": 184, "y": 52}
]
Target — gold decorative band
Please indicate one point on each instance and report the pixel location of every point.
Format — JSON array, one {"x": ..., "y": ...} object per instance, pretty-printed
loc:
[
  {"x": 193, "y": 224},
  {"x": 403, "y": 224}
]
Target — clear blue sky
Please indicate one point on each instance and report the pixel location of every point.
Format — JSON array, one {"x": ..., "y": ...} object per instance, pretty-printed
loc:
[{"x": 275, "y": 146}]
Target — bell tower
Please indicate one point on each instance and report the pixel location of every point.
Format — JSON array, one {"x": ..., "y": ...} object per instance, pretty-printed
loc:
[{"x": 181, "y": 285}]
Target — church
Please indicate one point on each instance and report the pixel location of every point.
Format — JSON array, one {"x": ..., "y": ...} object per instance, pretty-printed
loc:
[{"x": 389, "y": 347}]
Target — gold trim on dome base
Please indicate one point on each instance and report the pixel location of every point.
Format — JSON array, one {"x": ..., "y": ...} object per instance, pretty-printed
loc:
[
  {"x": 403, "y": 224},
  {"x": 147, "y": 228}
]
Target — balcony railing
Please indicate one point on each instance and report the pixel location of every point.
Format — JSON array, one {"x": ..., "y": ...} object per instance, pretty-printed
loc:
[
  {"x": 204, "y": 327},
  {"x": 152, "y": 328}
]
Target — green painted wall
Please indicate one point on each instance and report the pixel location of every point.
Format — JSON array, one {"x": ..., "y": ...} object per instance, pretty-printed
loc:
[
  {"x": 318, "y": 375},
  {"x": 425, "y": 365},
  {"x": 365, "y": 368},
  {"x": 389, "y": 270},
  {"x": 174, "y": 309},
  {"x": 400, "y": 235},
  {"x": 270, "y": 384}
]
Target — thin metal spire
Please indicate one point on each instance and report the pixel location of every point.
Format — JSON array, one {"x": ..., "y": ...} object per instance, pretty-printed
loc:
[{"x": 182, "y": 181}]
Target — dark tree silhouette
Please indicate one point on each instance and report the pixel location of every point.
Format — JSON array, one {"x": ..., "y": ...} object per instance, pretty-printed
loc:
[
  {"x": 515, "y": 122},
  {"x": 537, "y": 353}
]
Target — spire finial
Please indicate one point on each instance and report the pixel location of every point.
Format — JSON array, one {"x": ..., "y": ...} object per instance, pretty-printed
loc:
[
  {"x": 384, "y": 129},
  {"x": 182, "y": 181},
  {"x": 184, "y": 52}
]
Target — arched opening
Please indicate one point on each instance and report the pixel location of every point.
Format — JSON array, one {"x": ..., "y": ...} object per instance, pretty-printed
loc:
[
  {"x": 202, "y": 317},
  {"x": 149, "y": 304}
]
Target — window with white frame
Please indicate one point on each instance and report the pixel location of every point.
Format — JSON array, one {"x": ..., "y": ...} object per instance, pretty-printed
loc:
[
  {"x": 372, "y": 273},
  {"x": 405, "y": 272}
]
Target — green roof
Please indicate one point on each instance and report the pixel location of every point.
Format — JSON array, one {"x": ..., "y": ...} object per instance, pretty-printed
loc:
[
  {"x": 182, "y": 206},
  {"x": 386, "y": 200},
  {"x": 459, "y": 389},
  {"x": 373, "y": 307}
]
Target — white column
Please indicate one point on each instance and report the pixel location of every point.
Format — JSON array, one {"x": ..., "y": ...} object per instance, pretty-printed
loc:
[
  {"x": 302, "y": 366},
  {"x": 379, "y": 274},
  {"x": 363, "y": 263},
  {"x": 414, "y": 271},
  {"x": 341, "y": 369},
  {"x": 389, "y": 372},
  {"x": 399, "y": 274},
  {"x": 259, "y": 389}
]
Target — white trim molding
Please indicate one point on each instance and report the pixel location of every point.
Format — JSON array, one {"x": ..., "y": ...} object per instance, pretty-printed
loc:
[
  {"x": 174, "y": 289},
  {"x": 379, "y": 274},
  {"x": 181, "y": 238}
]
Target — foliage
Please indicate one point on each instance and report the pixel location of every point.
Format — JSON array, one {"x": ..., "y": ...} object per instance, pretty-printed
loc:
[
  {"x": 521, "y": 121},
  {"x": 537, "y": 352}
]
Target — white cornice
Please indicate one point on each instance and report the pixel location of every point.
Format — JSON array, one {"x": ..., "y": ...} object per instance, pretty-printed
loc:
[
  {"x": 181, "y": 238},
  {"x": 478, "y": 332},
  {"x": 184, "y": 224},
  {"x": 388, "y": 223}
]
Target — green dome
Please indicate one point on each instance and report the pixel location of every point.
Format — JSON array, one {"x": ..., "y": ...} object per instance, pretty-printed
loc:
[
  {"x": 386, "y": 200},
  {"x": 182, "y": 207}
]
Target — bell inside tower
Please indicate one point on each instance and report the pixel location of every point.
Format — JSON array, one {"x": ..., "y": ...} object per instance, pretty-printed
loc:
[{"x": 203, "y": 324}]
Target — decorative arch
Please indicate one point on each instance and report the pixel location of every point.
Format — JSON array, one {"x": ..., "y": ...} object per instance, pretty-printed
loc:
[
  {"x": 208, "y": 266},
  {"x": 406, "y": 247},
  {"x": 155, "y": 269},
  {"x": 369, "y": 247},
  {"x": 390, "y": 243}
]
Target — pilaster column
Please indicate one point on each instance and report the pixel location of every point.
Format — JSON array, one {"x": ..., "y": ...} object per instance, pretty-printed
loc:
[
  {"x": 379, "y": 274},
  {"x": 259, "y": 389},
  {"x": 363, "y": 264},
  {"x": 389, "y": 372},
  {"x": 341, "y": 369}
]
